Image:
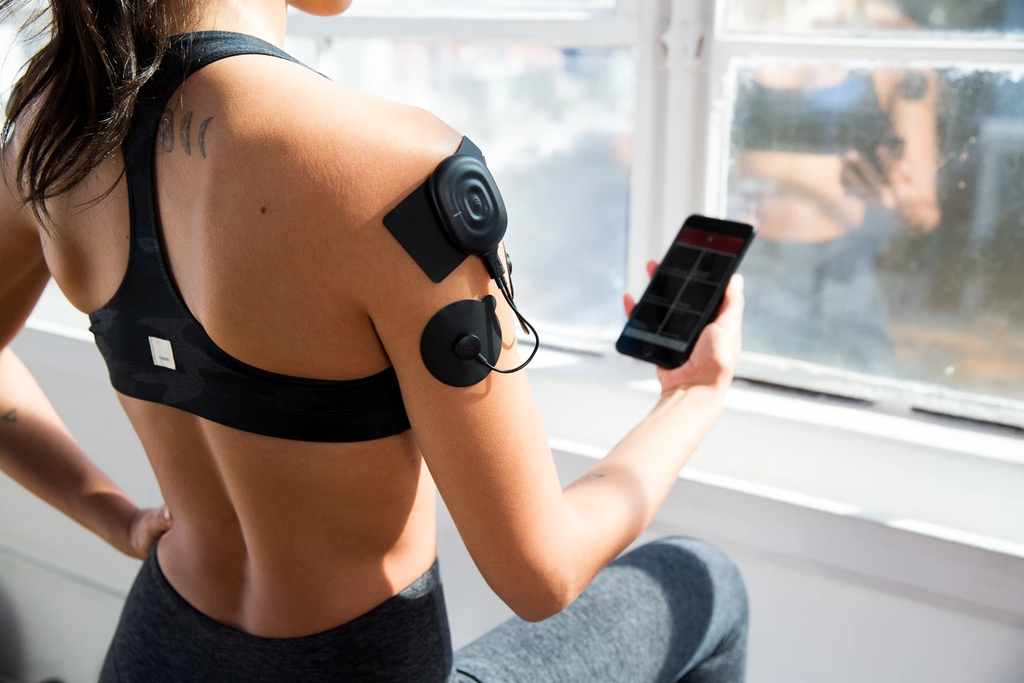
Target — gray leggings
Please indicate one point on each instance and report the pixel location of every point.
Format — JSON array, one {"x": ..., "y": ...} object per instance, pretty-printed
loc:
[{"x": 674, "y": 610}]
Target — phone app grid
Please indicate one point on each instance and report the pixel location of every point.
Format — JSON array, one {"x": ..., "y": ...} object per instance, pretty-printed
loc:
[{"x": 682, "y": 291}]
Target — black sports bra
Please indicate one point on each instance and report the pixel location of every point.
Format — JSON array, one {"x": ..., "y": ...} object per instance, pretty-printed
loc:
[
  {"x": 157, "y": 351},
  {"x": 828, "y": 120}
]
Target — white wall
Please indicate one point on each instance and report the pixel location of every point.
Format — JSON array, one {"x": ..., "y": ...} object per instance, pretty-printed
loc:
[{"x": 833, "y": 598}]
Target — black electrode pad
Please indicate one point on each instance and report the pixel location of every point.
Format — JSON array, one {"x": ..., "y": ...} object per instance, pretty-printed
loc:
[
  {"x": 416, "y": 224},
  {"x": 452, "y": 327}
]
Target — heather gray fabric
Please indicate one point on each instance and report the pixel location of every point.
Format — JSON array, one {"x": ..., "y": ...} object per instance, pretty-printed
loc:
[
  {"x": 672, "y": 610},
  {"x": 161, "y": 638}
]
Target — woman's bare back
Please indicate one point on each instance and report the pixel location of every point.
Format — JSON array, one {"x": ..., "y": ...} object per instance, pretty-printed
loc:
[{"x": 269, "y": 232}]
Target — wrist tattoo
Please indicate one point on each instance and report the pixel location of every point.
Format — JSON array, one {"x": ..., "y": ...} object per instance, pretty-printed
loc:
[
  {"x": 11, "y": 416},
  {"x": 595, "y": 476}
]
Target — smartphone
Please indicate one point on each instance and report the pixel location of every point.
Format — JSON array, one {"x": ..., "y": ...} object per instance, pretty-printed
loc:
[{"x": 684, "y": 294}]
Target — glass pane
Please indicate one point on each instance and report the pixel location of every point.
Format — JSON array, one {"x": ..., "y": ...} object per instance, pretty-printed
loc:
[
  {"x": 478, "y": 7},
  {"x": 863, "y": 16},
  {"x": 556, "y": 126},
  {"x": 890, "y": 207}
]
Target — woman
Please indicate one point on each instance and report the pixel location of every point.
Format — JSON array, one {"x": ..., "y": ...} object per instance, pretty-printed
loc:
[
  {"x": 831, "y": 162},
  {"x": 239, "y": 253}
]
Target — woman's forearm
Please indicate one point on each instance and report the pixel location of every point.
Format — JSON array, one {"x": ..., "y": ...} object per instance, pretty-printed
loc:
[
  {"x": 38, "y": 452},
  {"x": 617, "y": 498}
]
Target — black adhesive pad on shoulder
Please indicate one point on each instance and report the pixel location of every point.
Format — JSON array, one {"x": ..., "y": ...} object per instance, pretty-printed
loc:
[
  {"x": 414, "y": 226},
  {"x": 414, "y": 223},
  {"x": 451, "y": 323}
]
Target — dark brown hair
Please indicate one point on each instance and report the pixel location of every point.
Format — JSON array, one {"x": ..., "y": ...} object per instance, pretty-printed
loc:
[{"x": 77, "y": 93}]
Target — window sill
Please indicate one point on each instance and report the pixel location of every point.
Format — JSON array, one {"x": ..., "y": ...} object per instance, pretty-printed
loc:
[
  {"x": 928, "y": 509},
  {"x": 961, "y": 482}
]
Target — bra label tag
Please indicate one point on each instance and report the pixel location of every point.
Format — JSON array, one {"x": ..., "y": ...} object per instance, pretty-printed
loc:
[{"x": 162, "y": 354}]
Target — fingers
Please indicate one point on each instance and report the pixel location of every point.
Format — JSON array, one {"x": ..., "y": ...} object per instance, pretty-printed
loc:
[
  {"x": 733, "y": 301},
  {"x": 151, "y": 525},
  {"x": 730, "y": 312},
  {"x": 157, "y": 522},
  {"x": 854, "y": 183},
  {"x": 886, "y": 157},
  {"x": 869, "y": 172},
  {"x": 860, "y": 177},
  {"x": 898, "y": 176},
  {"x": 896, "y": 167},
  {"x": 628, "y": 302}
]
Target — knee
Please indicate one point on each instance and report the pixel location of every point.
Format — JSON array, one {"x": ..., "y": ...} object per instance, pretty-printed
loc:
[{"x": 729, "y": 591}]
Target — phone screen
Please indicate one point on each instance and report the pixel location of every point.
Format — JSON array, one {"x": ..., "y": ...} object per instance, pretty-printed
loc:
[{"x": 685, "y": 290}]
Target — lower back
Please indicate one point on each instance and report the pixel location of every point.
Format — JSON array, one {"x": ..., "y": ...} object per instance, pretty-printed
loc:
[{"x": 285, "y": 538}]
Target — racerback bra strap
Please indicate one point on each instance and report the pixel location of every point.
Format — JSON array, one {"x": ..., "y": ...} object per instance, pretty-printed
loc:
[{"x": 157, "y": 351}]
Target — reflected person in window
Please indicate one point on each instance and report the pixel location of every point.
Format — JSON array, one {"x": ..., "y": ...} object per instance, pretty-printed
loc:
[
  {"x": 217, "y": 209},
  {"x": 831, "y": 161}
]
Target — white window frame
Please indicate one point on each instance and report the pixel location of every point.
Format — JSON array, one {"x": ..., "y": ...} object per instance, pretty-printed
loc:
[
  {"x": 637, "y": 24},
  {"x": 683, "y": 57},
  {"x": 708, "y": 75}
]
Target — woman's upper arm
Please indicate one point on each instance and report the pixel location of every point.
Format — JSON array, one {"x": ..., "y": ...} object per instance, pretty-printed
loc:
[
  {"x": 23, "y": 270},
  {"x": 912, "y": 100},
  {"x": 485, "y": 445},
  {"x": 913, "y": 103}
]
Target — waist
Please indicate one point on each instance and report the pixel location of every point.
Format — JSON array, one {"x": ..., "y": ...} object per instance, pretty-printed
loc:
[
  {"x": 281, "y": 584},
  {"x": 405, "y": 637}
]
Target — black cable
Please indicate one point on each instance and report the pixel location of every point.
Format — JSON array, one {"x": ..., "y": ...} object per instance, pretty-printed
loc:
[
  {"x": 508, "y": 267},
  {"x": 510, "y": 298},
  {"x": 525, "y": 323}
]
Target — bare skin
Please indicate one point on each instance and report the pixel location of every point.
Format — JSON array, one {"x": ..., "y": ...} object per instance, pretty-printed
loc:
[{"x": 272, "y": 228}]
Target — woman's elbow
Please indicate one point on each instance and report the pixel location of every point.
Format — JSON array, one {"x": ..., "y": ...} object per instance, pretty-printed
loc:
[
  {"x": 540, "y": 605},
  {"x": 542, "y": 595}
]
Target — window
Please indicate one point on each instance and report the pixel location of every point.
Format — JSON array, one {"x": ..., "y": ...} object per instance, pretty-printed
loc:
[
  {"x": 993, "y": 17},
  {"x": 868, "y": 289},
  {"x": 548, "y": 90},
  {"x": 913, "y": 293},
  {"x": 607, "y": 122},
  {"x": 556, "y": 127}
]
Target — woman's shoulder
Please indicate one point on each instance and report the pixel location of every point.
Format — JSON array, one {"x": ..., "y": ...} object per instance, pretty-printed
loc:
[
  {"x": 272, "y": 99},
  {"x": 326, "y": 162},
  {"x": 354, "y": 151}
]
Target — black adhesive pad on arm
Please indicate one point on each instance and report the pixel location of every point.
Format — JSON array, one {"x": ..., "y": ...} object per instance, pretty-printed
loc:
[{"x": 451, "y": 323}]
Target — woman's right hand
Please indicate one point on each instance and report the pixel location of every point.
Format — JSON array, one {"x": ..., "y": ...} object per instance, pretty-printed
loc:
[{"x": 717, "y": 350}]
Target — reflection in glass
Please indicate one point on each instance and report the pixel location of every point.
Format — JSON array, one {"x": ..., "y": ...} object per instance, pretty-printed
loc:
[
  {"x": 890, "y": 207},
  {"x": 556, "y": 127},
  {"x": 995, "y": 17}
]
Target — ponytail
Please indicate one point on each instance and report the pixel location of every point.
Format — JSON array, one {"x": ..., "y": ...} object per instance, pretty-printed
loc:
[{"x": 77, "y": 94}]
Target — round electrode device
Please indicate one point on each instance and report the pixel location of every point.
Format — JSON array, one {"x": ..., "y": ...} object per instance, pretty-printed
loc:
[
  {"x": 468, "y": 202},
  {"x": 457, "y": 337},
  {"x": 461, "y": 343}
]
